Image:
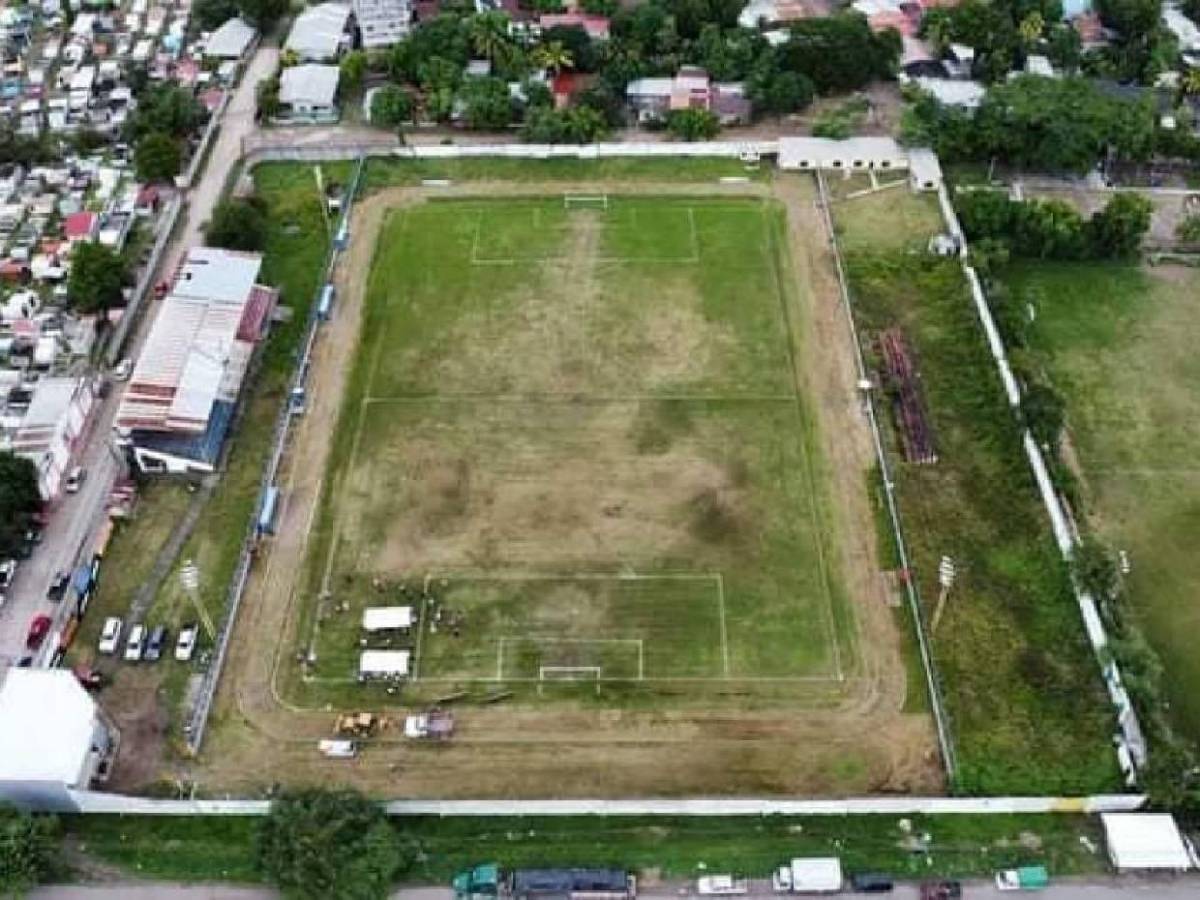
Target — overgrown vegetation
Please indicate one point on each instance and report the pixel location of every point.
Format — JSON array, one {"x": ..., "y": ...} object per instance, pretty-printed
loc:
[
  {"x": 224, "y": 847},
  {"x": 238, "y": 224},
  {"x": 19, "y": 500},
  {"x": 1024, "y": 695},
  {"x": 29, "y": 850}
]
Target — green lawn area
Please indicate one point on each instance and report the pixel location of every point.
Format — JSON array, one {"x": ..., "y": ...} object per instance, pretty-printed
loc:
[
  {"x": 222, "y": 848},
  {"x": 382, "y": 173},
  {"x": 1119, "y": 343},
  {"x": 1026, "y": 704},
  {"x": 585, "y": 426}
]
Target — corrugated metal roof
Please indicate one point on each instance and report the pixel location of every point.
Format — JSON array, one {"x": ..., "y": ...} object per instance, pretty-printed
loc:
[{"x": 312, "y": 84}]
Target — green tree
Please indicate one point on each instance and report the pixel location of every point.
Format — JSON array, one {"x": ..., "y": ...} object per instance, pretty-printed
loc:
[
  {"x": 264, "y": 13},
  {"x": 211, "y": 14},
  {"x": 1031, "y": 28},
  {"x": 488, "y": 33},
  {"x": 552, "y": 56},
  {"x": 606, "y": 8},
  {"x": 19, "y": 500},
  {"x": 353, "y": 68},
  {"x": 267, "y": 98},
  {"x": 840, "y": 53},
  {"x": 237, "y": 224},
  {"x": 576, "y": 125},
  {"x": 157, "y": 157},
  {"x": 1188, "y": 231},
  {"x": 1118, "y": 229},
  {"x": 693, "y": 124},
  {"x": 97, "y": 276},
  {"x": 391, "y": 106},
  {"x": 29, "y": 848},
  {"x": 1064, "y": 47},
  {"x": 322, "y": 844},
  {"x": 1095, "y": 569},
  {"x": 779, "y": 93},
  {"x": 167, "y": 108},
  {"x": 1045, "y": 414},
  {"x": 489, "y": 105}
]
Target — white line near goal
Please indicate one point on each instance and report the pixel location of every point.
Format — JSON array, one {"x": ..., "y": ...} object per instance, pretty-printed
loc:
[
  {"x": 638, "y": 644},
  {"x": 594, "y": 201}
]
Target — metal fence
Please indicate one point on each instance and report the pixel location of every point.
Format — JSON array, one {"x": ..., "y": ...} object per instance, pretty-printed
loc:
[
  {"x": 197, "y": 719},
  {"x": 941, "y": 718}
]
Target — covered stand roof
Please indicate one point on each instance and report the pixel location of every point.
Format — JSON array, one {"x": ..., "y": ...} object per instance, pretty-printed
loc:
[
  {"x": 387, "y": 618},
  {"x": 383, "y": 662},
  {"x": 1144, "y": 841}
]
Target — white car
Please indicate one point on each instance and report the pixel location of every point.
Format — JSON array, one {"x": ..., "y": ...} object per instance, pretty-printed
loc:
[
  {"x": 122, "y": 370},
  {"x": 134, "y": 644},
  {"x": 74, "y": 479},
  {"x": 110, "y": 636},
  {"x": 186, "y": 645}
]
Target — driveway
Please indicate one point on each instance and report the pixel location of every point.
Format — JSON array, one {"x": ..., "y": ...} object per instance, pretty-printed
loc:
[{"x": 75, "y": 518}]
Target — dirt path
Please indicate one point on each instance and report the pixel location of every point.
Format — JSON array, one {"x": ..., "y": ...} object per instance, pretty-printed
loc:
[{"x": 851, "y": 737}]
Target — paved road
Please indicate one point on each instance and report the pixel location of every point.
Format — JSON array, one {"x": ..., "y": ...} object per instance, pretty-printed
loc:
[
  {"x": 1123, "y": 889},
  {"x": 75, "y": 519}
]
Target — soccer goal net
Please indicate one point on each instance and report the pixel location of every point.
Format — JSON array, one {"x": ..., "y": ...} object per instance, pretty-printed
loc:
[
  {"x": 569, "y": 673},
  {"x": 582, "y": 201}
]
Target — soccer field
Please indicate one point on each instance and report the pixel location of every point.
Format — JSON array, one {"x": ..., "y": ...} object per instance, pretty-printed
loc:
[{"x": 576, "y": 439}]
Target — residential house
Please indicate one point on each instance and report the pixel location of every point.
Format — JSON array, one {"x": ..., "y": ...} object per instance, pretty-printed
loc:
[
  {"x": 382, "y": 23},
  {"x": 53, "y": 427},
  {"x": 81, "y": 226},
  {"x": 181, "y": 396},
  {"x": 654, "y": 99},
  {"x": 308, "y": 94},
  {"x": 320, "y": 34}
]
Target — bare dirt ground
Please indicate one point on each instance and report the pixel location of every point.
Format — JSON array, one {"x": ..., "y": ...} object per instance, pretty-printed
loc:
[{"x": 856, "y": 739}]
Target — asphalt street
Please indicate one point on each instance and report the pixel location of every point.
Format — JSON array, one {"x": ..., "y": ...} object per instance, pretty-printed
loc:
[{"x": 76, "y": 518}]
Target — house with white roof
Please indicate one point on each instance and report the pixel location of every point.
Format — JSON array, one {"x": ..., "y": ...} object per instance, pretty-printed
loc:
[
  {"x": 54, "y": 739},
  {"x": 382, "y": 23},
  {"x": 319, "y": 34},
  {"x": 182, "y": 394},
  {"x": 52, "y": 428},
  {"x": 231, "y": 40},
  {"x": 308, "y": 94}
]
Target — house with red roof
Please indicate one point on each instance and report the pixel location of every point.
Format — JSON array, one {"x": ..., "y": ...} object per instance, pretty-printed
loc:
[{"x": 81, "y": 226}]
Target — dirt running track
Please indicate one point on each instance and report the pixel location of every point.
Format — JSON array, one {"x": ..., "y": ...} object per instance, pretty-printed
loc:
[{"x": 861, "y": 742}]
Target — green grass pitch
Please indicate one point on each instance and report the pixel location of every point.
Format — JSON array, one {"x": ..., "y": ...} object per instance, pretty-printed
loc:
[{"x": 583, "y": 427}]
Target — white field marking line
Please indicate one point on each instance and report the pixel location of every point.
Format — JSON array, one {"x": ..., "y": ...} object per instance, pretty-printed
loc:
[
  {"x": 810, "y": 475},
  {"x": 569, "y": 397},
  {"x": 503, "y": 640},
  {"x": 826, "y": 680},
  {"x": 416, "y": 654},
  {"x": 724, "y": 629},
  {"x": 1149, "y": 472}
]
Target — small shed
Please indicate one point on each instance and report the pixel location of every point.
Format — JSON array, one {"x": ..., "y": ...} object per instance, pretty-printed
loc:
[
  {"x": 383, "y": 664},
  {"x": 924, "y": 170},
  {"x": 387, "y": 618},
  {"x": 1145, "y": 841}
]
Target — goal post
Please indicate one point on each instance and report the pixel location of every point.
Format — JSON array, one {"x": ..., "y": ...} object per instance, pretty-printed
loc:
[
  {"x": 585, "y": 201},
  {"x": 569, "y": 674}
]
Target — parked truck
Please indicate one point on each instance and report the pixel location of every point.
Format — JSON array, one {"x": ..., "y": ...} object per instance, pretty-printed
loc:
[
  {"x": 490, "y": 881},
  {"x": 811, "y": 875},
  {"x": 1026, "y": 878}
]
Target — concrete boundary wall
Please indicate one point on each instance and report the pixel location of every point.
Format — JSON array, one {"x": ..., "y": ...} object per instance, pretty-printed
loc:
[
  {"x": 93, "y": 802},
  {"x": 1065, "y": 534}
]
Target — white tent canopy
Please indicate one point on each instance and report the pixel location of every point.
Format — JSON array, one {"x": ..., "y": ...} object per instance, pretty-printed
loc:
[
  {"x": 387, "y": 618},
  {"x": 383, "y": 663},
  {"x": 1144, "y": 841}
]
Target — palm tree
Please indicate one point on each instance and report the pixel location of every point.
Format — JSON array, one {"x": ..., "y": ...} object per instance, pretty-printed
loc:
[
  {"x": 1190, "y": 82},
  {"x": 1031, "y": 28},
  {"x": 488, "y": 32},
  {"x": 553, "y": 56}
]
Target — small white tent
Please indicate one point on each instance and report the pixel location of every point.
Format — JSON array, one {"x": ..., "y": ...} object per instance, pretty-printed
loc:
[{"x": 1142, "y": 841}]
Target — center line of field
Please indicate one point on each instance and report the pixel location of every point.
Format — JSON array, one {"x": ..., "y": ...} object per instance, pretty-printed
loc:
[{"x": 568, "y": 397}]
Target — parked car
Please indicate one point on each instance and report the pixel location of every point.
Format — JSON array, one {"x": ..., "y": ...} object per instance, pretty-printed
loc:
[
  {"x": 154, "y": 646},
  {"x": 186, "y": 645},
  {"x": 871, "y": 883},
  {"x": 25, "y": 662},
  {"x": 58, "y": 586},
  {"x": 74, "y": 480},
  {"x": 941, "y": 890},
  {"x": 135, "y": 643},
  {"x": 8, "y": 569},
  {"x": 89, "y": 678},
  {"x": 122, "y": 370},
  {"x": 1026, "y": 878},
  {"x": 38, "y": 629},
  {"x": 110, "y": 635}
]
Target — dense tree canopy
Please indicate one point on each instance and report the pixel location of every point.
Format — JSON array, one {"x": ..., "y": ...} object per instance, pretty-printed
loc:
[
  {"x": 97, "y": 276},
  {"x": 1047, "y": 124},
  {"x": 19, "y": 500},
  {"x": 840, "y": 53},
  {"x": 157, "y": 157},
  {"x": 169, "y": 109},
  {"x": 390, "y": 106},
  {"x": 237, "y": 224},
  {"x": 324, "y": 844}
]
